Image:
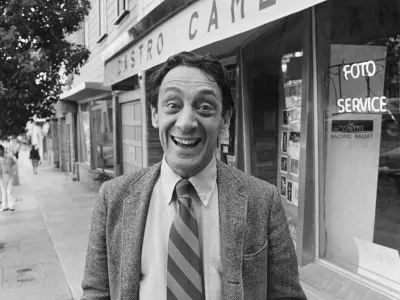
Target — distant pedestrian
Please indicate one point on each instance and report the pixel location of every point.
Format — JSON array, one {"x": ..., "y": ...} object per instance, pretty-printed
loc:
[
  {"x": 35, "y": 157},
  {"x": 16, "y": 150},
  {"x": 7, "y": 167}
]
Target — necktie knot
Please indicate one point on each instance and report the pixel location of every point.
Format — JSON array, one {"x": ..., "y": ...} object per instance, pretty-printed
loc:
[{"x": 182, "y": 189}]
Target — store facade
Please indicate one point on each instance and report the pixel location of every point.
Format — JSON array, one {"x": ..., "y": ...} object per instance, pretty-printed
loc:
[
  {"x": 316, "y": 90},
  {"x": 358, "y": 91}
]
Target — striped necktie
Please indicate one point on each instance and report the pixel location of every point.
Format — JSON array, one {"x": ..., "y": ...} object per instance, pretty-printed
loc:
[{"x": 185, "y": 272}]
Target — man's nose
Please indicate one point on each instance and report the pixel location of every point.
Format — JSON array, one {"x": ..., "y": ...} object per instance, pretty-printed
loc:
[{"x": 186, "y": 119}]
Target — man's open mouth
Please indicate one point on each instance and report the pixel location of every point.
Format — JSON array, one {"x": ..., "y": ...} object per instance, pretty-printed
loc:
[{"x": 185, "y": 143}]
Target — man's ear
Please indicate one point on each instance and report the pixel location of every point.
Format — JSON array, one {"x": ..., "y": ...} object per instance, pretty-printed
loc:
[
  {"x": 226, "y": 119},
  {"x": 154, "y": 117}
]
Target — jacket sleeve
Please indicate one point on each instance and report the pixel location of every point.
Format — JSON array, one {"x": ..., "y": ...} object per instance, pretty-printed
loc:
[
  {"x": 283, "y": 274},
  {"x": 95, "y": 282}
]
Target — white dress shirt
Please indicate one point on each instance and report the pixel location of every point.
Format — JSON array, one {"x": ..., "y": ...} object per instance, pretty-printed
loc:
[{"x": 162, "y": 211}]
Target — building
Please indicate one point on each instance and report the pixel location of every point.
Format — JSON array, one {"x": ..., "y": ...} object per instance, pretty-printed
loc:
[{"x": 316, "y": 88}]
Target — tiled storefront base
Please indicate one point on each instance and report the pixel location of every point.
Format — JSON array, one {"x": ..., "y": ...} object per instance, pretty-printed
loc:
[{"x": 322, "y": 282}]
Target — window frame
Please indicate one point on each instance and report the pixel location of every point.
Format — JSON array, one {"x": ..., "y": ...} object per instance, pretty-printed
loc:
[
  {"x": 122, "y": 10},
  {"x": 102, "y": 20},
  {"x": 86, "y": 33},
  {"x": 97, "y": 105}
]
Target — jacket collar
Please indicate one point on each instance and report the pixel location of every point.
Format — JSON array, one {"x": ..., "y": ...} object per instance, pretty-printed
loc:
[{"x": 232, "y": 214}]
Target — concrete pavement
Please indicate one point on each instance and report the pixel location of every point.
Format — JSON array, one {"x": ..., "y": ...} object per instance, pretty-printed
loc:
[{"x": 43, "y": 242}]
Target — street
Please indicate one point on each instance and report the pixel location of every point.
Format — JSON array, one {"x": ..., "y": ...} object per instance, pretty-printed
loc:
[{"x": 43, "y": 242}]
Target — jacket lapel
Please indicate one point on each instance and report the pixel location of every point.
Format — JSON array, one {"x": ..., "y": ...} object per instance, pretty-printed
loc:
[
  {"x": 135, "y": 209},
  {"x": 232, "y": 215}
]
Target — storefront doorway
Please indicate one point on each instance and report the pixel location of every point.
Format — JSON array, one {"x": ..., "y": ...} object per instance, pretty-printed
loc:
[
  {"x": 273, "y": 88},
  {"x": 131, "y": 132}
]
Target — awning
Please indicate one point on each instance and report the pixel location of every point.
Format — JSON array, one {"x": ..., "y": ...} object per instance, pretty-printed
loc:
[
  {"x": 85, "y": 90},
  {"x": 203, "y": 23}
]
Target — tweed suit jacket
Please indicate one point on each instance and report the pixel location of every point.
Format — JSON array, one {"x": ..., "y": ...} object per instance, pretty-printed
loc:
[{"x": 258, "y": 257}]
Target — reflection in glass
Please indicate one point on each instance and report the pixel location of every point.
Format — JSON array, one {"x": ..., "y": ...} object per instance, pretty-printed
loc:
[
  {"x": 85, "y": 121},
  {"x": 103, "y": 134},
  {"x": 274, "y": 82},
  {"x": 362, "y": 93}
]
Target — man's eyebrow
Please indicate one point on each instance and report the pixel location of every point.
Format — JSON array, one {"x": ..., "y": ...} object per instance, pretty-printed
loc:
[{"x": 208, "y": 92}]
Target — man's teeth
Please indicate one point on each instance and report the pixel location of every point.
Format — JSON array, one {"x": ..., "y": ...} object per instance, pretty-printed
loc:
[{"x": 186, "y": 142}]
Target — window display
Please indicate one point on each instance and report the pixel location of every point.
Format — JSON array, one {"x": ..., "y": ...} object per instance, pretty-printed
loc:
[
  {"x": 226, "y": 148},
  {"x": 274, "y": 79},
  {"x": 362, "y": 199}
]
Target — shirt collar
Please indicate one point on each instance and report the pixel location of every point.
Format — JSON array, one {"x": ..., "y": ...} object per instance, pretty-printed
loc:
[{"x": 204, "y": 182}]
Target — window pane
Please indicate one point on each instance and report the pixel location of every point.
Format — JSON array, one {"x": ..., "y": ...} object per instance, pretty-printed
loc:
[
  {"x": 363, "y": 137},
  {"x": 274, "y": 83},
  {"x": 86, "y": 28},
  {"x": 103, "y": 134},
  {"x": 102, "y": 17},
  {"x": 85, "y": 120}
]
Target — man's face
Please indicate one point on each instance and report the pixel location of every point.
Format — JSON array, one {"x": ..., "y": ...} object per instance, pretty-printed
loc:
[{"x": 189, "y": 118}]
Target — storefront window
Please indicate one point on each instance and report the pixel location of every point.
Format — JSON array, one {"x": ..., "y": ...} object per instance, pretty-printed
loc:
[
  {"x": 273, "y": 75},
  {"x": 362, "y": 94},
  {"x": 85, "y": 132},
  {"x": 103, "y": 138},
  {"x": 226, "y": 144}
]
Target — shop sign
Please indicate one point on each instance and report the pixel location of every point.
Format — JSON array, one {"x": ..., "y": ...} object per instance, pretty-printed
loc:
[
  {"x": 362, "y": 104},
  {"x": 200, "y": 24},
  {"x": 349, "y": 129}
]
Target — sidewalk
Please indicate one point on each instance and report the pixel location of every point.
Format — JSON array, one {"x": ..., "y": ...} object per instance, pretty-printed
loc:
[{"x": 43, "y": 242}]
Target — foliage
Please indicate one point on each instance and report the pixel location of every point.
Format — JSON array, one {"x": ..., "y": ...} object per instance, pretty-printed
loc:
[{"x": 34, "y": 52}]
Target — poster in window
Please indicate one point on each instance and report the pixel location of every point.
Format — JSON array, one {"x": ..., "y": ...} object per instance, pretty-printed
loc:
[
  {"x": 290, "y": 191},
  {"x": 293, "y": 90},
  {"x": 294, "y": 166},
  {"x": 294, "y": 117},
  {"x": 285, "y": 118},
  {"x": 283, "y": 186},
  {"x": 295, "y": 193},
  {"x": 294, "y": 144},
  {"x": 231, "y": 160},
  {"x": 284, "y": 164},
  {"x": 224, "y": 137},
  {"x": 294, "y": 137},
  {"x": 284, "y": 141}
]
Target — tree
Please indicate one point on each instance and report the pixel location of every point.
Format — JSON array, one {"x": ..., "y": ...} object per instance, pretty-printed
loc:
[{"x": 34, "y": 51}]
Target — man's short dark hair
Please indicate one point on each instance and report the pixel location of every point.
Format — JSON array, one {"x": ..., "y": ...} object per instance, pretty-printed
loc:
[
  {"x": 209, "y": 65},
  {"x": 1, "y": 148}
]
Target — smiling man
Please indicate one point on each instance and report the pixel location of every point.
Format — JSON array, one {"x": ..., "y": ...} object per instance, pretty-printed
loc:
[{"x": 190, "y": 227}]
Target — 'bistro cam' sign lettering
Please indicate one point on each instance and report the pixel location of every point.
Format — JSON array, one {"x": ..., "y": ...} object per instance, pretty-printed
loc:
[{"x": 202, "y": 23}]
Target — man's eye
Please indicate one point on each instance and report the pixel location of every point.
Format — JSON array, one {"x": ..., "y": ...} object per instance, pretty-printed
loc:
[
  {"x": 205, "y": 108},
  {"x": 172, "y": 106}
]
